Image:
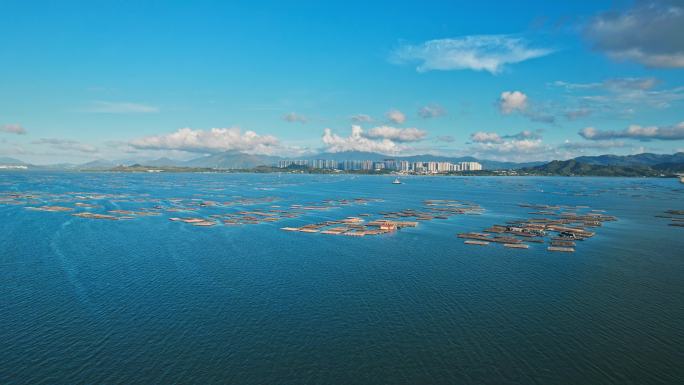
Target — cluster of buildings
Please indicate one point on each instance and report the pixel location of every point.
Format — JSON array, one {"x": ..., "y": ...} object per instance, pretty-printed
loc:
[{"x": 429, "y": 167}]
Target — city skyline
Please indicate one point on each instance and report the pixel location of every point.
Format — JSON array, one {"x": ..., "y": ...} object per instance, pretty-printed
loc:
[
  {"x": 424, "y": 166},
  {"x": 494, "y": 81}
]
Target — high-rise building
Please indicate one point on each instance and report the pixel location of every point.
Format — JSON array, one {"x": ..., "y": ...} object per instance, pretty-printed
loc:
[{"x": 470, "y": 166}]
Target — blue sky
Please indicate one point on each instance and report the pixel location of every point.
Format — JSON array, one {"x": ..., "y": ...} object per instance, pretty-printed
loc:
[{"x": 529, "y": 80}]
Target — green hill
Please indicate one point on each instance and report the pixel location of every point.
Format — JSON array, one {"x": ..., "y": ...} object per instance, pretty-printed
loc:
[{"x": 574, "y": 168}]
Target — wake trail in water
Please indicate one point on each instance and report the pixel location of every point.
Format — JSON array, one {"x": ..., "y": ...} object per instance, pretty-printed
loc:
[{"x": 69, "y": 268}]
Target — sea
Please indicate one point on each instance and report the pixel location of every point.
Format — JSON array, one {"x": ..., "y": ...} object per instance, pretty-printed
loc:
[{"x": 149, "y": 300}]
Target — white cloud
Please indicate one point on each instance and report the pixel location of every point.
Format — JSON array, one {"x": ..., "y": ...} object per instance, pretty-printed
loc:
[
  {"x": 396, "y": 134},
  {"x": 357, "y": 141},
  {"x": 636, "y": 132},
  {"x": 103, "y": 107},
  {"x": 615, "y": 84},
  {"x": 519, "y": 147},
  {"x": 431, "y": 111},
  {"x": 485, "y": 137},
  {"x": 516, "y": 101},
  {"x": 17, "y": 129},
  {"x": 361, "y": 118},
  {"x": 293, "y": 117},
  {"x": 493, "y": 137},
  {"x": 476, "y": 52},
  {"x": 614, "y": 95},
  {"x": 649, "y": 33},
  {"x": 67, "y": 145},
  {"x": 515, "y": 150},
  {"x": 638, "y": 98},
  {"x": 525, "y": 134},
  {"x": 210, "y": 141},
  {"x": 396, "y": 116},
  {"x": 512, "y": 101}
]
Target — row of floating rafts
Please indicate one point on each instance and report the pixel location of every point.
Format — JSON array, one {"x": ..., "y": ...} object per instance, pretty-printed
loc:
[
  {"x": 676, "y": 217},
  {"x": 569, "y": 226},
  {"x": 89, "y": 215},
  {"x": 436, "y": 211},
  {"x": 245, "y": 217},
  {"x": 194, "y": 221},
  {"x": 50, "y": 208},
  {"x": 135, "y": 213},
  {"x": 352, "y": 226},
  {"x": 123, "y": 214}
]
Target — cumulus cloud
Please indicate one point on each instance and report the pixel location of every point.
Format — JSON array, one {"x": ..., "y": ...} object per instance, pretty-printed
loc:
[
  {"x": 396, "y": 134},
  {"x": 16, "y": 129},
  {"x": 517, "y": 102},
  {"x": 525, "y": 134},
  {"x": 512, "y": 101},
  {"x": 103, "y": 107},
  {"x": 446, "y": 139},
  {"x": 358, "y": 141},
  {"x": 67, "y": 145},
  {"x": 636, "y": 132},
  {"x": 522, "y": 146},
  {"x": 650, "y": 33},
  {"x": 210, "y": 141},
  {"x": 513, "y": 149},
  {"x": 293, "y": 117},
  {"x": 361, "y": 118},
  {"x": 431, "y": 111},
  {"x": 518, "y": 146},
  {"x": 489, "y": 53},
  {"x": 485, "y": 137},
  {"x": 396, "y": 116}
]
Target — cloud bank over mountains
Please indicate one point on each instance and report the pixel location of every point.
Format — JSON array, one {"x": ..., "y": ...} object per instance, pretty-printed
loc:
[
  {"x": 383, "y": 139},
  {"x": 210, "y": 141}
]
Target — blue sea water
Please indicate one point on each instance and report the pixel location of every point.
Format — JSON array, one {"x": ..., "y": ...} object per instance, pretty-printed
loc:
[{"x": 151, "y": 301}]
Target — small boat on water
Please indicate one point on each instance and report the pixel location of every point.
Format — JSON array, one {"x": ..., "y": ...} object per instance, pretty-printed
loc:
[
  {"x": 396, "y": 181},
  {"x": 681, "y": 179}
]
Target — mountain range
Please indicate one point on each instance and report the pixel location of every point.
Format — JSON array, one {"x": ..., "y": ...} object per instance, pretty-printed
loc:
[
  {"x": 614, "y": 166},
  {"x": 644, "y": 159},
  {"x": 239, "y": 160}
]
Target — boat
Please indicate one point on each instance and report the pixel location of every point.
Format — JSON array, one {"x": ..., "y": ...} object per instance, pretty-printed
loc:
[
  {"x": 681, "y": 179},
  {"x": 396, "y": 181}
]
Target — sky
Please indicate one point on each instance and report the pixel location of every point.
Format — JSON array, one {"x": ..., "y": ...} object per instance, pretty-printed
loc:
[{"x": 516, "y": 81}]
